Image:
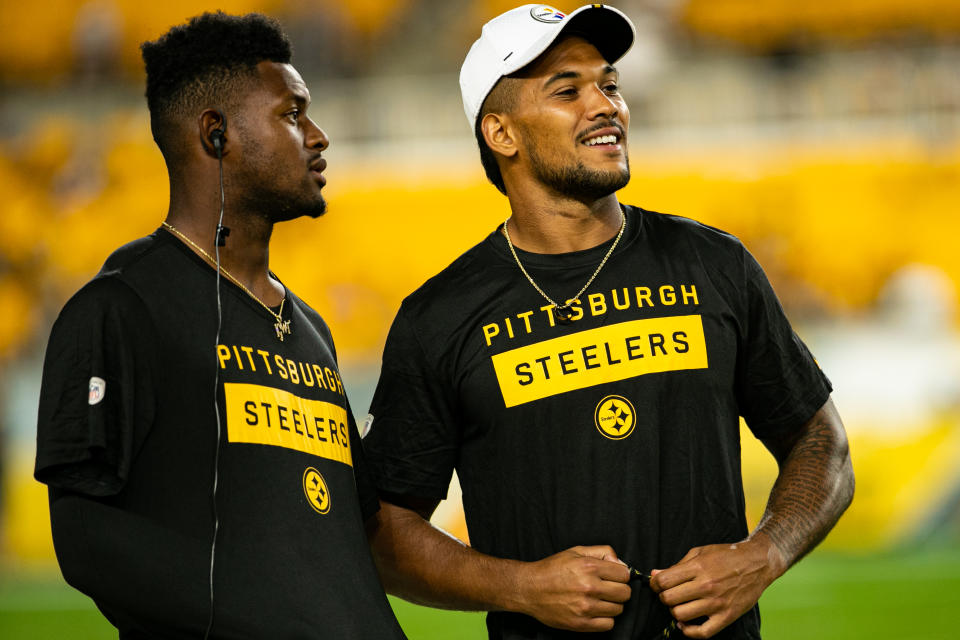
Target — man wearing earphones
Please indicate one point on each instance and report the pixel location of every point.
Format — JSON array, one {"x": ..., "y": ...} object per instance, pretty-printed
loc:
[
  {"x": 584, "y": 369},
  {"x": 205, "y": 473}
]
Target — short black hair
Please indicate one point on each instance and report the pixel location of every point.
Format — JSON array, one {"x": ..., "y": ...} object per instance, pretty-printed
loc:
[
  {"x": 202, "y": 64},
  {"x": 501, "y": 99}
]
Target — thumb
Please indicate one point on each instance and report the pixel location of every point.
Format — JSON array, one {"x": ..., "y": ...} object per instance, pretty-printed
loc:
[{"x": 655, "y": 586}]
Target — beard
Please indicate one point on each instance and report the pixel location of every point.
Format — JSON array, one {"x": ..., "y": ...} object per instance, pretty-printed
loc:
[
  {"x": 276, "y": 205},
  {"x": 576, "y": 181}
]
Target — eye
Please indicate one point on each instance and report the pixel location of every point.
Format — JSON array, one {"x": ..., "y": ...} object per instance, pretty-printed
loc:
[
  {"x": 611, "y": 87},
  {"x": 568, "y": 92},
  {"x": 293, "y": 114}
]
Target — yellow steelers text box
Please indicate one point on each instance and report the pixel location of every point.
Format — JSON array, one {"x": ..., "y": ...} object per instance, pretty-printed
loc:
[
  {"x": 596, "y": 356},
  {"x": 264, "y": 415}
]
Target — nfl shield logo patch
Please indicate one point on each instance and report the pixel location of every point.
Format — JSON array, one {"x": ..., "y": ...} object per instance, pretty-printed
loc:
[{"x": 98, "y": 387}]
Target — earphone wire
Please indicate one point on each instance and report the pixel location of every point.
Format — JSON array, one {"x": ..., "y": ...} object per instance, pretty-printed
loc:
[{"x": 216, "y": 406}]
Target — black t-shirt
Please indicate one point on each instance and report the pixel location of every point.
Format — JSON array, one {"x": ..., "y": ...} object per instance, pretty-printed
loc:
[
  {"x": 128, "y": 422},
  {"x": 620, "y": 428}
]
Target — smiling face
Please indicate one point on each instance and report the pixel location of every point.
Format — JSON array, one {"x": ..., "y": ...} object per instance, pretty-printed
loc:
[
  {"x": 571, "y": 122},
  {"x": 277, "y": 172}
]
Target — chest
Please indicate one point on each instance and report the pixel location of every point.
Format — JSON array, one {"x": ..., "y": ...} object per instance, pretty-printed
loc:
[{"x": 646, "y": 330}]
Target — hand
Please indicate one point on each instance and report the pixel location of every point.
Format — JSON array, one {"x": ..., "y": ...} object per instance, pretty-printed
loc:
[
  {"x": 720, "y": 582},
  {"x": 580, "y": 589}
]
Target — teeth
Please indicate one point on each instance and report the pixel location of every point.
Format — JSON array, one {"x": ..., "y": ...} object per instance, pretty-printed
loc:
[{"x": 611, "y": 139}]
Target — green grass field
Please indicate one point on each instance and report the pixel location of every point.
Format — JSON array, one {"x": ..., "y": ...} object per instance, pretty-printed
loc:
[{"x": 897, "y": 596}]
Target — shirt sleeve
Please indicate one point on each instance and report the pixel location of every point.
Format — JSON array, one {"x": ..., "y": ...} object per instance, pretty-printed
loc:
[
  {"x": 366, "y": 487},
  {"x": 115, "y": 556},
  {"x": 779, "y": 384},
  {"x": 413, "y": 439},
  {"x": 96, "y": 397}
]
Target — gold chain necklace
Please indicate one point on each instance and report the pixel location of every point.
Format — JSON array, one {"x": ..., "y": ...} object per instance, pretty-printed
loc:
[
  {"x": 281, "y": 326},
  {"x": 563, "y": 312}
]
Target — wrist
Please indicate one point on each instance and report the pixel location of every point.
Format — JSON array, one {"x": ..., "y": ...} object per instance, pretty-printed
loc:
[
  {"x": 514, "y": 590},
  {"x": 769, "y": 554}
]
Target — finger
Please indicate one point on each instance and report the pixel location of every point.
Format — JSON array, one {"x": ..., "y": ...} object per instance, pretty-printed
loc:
[
  {"x": 706, "y": 630},
  {"x": 692, "y": 630},
  {"x": 685, "y": 592},
  {"x": 653, "y": 584},
  {"x": 613, "y": 591},
  {"x": 679, "y": 573},
  {"x": 690, "y": 611},
  {"x": 692, "y": 553},
  {"x": 615, "y": 571},
  {"x": 672, "y": 577},
  {"x": 604, "y": 609},
  {"x": 601, "y": 551},
  {"x": 596, "y": 624}
]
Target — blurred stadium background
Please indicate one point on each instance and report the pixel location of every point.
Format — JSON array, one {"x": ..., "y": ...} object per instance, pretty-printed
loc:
[{"x": 824, "y": 134}]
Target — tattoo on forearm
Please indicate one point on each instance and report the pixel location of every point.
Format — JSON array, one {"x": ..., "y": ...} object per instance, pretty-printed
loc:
[{"x": 811, "y": 491}]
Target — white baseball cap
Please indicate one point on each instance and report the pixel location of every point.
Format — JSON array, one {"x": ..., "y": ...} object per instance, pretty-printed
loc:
[{"x": 514, "y": 39}]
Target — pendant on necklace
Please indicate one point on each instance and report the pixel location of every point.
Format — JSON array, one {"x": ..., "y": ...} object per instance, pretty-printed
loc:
[
  {"x": 282, "y": 328},
  {"x": 563, "y": 314}
]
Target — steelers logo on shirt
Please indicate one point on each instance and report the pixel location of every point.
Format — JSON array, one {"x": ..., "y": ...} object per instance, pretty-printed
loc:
[
  {"x": 315, "y": 488},
  {"x": 615, "y": 417}
]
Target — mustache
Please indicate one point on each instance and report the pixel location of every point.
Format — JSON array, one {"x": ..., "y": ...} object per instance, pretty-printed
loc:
[{"x": 602, "y": 125}]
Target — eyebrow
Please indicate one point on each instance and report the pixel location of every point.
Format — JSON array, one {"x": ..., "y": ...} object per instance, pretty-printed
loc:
[
  {"x": 565, "y": 75},
  {"x": 301, "y": 99}
]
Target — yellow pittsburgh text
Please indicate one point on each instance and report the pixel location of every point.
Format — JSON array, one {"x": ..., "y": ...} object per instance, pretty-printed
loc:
[
  {"x": 264, "y": 415},
  {"x": 308, "y": 374},
  {"x": 595, "y": 304},
  {"x": 596, "y": 356}
]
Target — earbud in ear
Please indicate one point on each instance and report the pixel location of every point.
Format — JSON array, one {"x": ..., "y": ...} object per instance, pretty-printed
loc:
[
  {"x": 216, "y": 139},
  {"x": 218, "y": 135}
]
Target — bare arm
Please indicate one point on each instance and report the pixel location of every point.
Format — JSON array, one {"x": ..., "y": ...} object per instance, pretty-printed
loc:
[
  {"x": 580, "y": 589},
  {"x": 814, "y": 486}
]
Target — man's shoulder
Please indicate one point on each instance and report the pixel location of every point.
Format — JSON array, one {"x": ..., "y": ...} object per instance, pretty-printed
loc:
[
  {"x": 131, "y": 256},
  {"x": 670, "y": 223},
  {"x": 674, "y": 233},
  {"x": 106, "y": 295},
  {"x": 110, "y": 288},
  {"x": 459, "y": 282}
]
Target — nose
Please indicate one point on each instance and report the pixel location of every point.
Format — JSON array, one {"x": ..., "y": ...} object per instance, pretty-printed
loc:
[
  {"x": 603, "y": 105},
  {"x": 315, "y": 138}
]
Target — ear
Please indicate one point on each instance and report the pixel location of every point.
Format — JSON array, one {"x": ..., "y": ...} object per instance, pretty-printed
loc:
[
  {"x": 212, "y": 128},
  {"x": 498, "y": 133}
]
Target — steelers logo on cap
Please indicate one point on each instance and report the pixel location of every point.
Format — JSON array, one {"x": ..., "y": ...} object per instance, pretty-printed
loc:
[
  {"x": 615, "y": 417},
  {"x": 546, "y": 13},
  {"x": 315, "y": 488}
]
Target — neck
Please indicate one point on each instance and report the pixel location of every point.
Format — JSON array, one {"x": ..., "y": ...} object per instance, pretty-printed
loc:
[
  {"x": 246, "y": 254},
  {"x": 562, "y": 225}
]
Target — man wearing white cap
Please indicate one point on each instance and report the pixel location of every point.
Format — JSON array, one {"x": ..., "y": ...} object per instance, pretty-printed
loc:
[{"x": 584, "y": 369}]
